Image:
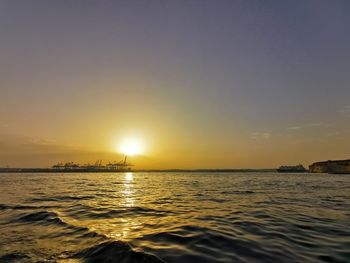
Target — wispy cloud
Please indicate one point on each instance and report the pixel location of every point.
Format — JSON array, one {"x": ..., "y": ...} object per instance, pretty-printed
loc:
[
  {"x": 11, "y": 143},
  {"x": 260, "y": 135},
  {"x": 345, "y": 110},
  {"x": 266, "y": 135},
  {"x": 315, "y": 124},
  {"x": 308, "y": 125},
  {"x": 294, "y": 128},
  {"x": 333, "y": 134}
]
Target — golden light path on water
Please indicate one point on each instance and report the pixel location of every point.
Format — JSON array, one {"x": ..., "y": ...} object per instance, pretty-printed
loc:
[
  {"x": 128, "y": 190},
  {"x": 129, "y": 201},
  {"x": 116, "y": 226}
]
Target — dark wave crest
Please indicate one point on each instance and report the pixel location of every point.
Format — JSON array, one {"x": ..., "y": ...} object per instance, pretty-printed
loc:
[
  {"x": 46, "y": 218},
  {"x": 13, "y": 257},
  {"x": 24, "y": 207},
  {"x": 102, "y": 213},
  {"x": 115, "y": 251},
  {"x": 108, "y": 251},
  {"x": 43, "y": 217},
  {"x": 62, "y": 198}
]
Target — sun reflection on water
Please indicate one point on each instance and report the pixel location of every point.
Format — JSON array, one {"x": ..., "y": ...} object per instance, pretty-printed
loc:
[
  {"x": 128, "y": 191},
  {"x": 129, "y": 176},
  {"x": 128, "y": 201}
]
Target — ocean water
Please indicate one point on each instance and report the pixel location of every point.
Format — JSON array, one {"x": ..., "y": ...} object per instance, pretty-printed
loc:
[{"x": 174, "y": 217}]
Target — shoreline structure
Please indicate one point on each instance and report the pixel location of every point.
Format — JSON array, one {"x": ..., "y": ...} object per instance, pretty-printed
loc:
[{"x": 332, "y": 167}]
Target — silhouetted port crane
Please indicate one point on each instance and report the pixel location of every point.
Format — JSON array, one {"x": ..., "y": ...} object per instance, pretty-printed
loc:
[{"x": 124, "y": 165}]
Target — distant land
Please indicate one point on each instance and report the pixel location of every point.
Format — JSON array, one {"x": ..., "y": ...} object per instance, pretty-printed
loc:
[{"x": 333, "y": 167}]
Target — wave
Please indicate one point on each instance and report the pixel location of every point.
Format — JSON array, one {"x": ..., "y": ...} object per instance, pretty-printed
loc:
[
  {"x": 204, "y": 244},
  {"x": 62, "y": 198},
  {"x": 24, "y": 207},
  {"x": 107, "y": 251},
  {"x": 237, "y": 192},
  {"x": 84, "y": 211},
  {"x": 115, "y": 251},
  {"x": 46, "y": 218},
  {"x": 42, "y": 217},
  {"x": 13, "y": 257}
]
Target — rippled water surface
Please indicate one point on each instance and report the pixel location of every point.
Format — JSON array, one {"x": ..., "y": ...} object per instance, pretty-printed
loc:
[{"x": 174, "y": 217}]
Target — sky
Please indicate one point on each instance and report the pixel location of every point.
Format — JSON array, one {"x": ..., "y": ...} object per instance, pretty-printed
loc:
[{"x": 203, "y": 84}]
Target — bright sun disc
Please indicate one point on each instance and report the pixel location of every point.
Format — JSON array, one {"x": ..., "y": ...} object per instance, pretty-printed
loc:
[{"x": 131, "y": 146}]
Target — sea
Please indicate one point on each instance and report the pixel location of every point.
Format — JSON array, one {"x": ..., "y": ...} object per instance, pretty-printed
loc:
[{"x": 174, "y": 217}]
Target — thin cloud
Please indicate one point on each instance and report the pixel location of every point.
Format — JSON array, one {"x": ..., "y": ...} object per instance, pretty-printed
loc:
[
  {"x": 266, "y": 135},
  {"x": 308, "y": 125},
  {"x": 315, "y": 124},
  {"x": 345, "y": 110},
  {"x": 12, "y": 143},
  {"x": 333, "y": 134},
  {"x": 295, "y": 128},
  {"x": 260, "y": 135}
]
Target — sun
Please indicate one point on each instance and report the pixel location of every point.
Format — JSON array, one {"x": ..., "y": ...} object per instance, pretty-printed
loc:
[{"x": 131, "y": 146}]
